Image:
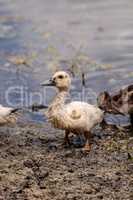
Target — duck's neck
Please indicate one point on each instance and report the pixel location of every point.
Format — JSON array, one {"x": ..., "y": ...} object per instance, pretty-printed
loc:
[{"x": 58, "y": 101}]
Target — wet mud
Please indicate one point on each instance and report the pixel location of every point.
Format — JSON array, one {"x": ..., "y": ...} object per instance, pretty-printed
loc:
[{"x": 34, "y": 164}]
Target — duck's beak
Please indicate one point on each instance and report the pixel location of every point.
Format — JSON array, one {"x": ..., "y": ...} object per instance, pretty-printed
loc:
[{"x": 48, "y": 83}]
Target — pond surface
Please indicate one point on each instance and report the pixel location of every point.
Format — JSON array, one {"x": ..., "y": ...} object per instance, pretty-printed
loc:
[{"x": 95, "y": 36}]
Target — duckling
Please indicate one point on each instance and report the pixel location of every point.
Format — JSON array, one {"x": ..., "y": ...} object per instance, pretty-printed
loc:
[
  {"x": 74, "y": 117},
  {"x": 7, "y": 115},
  {"x": 119, "y": 103}
]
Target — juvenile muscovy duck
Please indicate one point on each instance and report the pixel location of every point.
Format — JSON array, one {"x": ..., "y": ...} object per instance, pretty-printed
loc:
[
  {"x": 74, "y": 117},
  {"x": 118, "y": 103}
]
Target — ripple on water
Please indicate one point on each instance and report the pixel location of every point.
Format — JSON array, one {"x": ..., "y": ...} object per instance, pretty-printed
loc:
[{"x": 7, "y": 31}]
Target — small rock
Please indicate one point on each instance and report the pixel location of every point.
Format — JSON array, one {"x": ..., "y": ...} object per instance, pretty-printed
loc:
[
  {"x": 70, "y": 170},
  {"x": 42, "y": 185},
  {"x": 43, "y": 174},
  {"x": 28, "y": 163},
  {"x": 52, "y": 147},
  {"x": 89, "y": 190}
]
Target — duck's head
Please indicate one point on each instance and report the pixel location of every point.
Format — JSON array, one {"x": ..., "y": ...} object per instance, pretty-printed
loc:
[
  {"x": 104, "y": 100},
  {"x": 60, "y": 80}
]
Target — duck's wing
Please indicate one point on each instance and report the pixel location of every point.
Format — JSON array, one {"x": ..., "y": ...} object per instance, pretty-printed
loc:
[
  {"x": 80, "y": 115},
  {"x": 82, "y": 110},
  {"x": 73, "y": 110}
]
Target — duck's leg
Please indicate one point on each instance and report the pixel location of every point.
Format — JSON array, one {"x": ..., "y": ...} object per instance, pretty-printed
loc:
[
  {"x": 87, "y": 146},
  {"x": 131, "y": 120},
  {"x": 66, "y": 139},
  {"x": 103, "y": 124}
]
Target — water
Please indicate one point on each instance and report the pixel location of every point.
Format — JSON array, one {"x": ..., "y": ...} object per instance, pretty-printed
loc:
[{"x": 55, "y": 34}]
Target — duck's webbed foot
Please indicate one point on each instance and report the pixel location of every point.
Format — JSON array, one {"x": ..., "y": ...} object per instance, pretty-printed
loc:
[{"x": 87, "y": 146}]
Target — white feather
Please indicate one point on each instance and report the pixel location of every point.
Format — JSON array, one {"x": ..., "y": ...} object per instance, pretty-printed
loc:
[{"x": 5, "y": 111}]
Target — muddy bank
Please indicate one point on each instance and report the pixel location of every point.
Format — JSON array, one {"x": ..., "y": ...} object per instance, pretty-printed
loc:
[{"x": 35, "y": 165}]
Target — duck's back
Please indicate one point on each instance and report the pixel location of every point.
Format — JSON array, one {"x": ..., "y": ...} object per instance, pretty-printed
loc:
[
  {"x": 124, "y": 100},
  {"x": 82, "y": 106}
]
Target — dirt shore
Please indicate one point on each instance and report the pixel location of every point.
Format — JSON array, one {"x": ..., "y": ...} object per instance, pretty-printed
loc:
[{"x": 35, "y": 165}]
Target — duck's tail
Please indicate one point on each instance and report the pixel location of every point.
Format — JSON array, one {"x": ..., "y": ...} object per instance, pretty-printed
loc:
[{"x": 15, "y": 110}]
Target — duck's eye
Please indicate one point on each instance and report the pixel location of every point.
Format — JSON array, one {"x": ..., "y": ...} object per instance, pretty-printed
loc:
[{"x": 60, "y": 77}]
